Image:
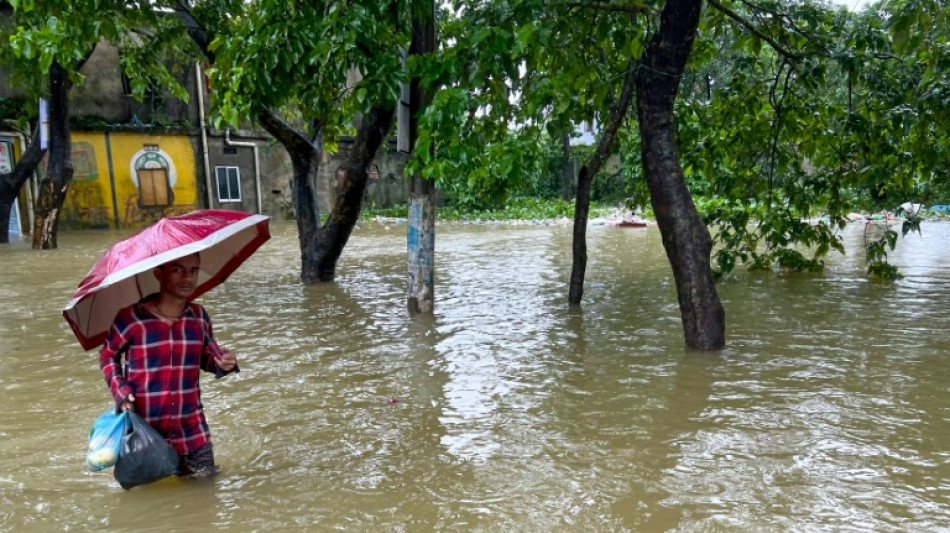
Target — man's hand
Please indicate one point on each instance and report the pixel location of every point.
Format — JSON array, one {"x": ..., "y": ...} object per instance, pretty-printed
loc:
[
  {"x": 127, "y": 404},
  {"x": 228, "y": 360}
]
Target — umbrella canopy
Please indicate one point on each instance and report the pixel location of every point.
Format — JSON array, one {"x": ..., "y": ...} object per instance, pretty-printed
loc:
[{"x": 222, "y": 239}]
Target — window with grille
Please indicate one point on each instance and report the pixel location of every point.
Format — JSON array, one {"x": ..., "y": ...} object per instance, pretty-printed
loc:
[{"x": 229, "y": 184}]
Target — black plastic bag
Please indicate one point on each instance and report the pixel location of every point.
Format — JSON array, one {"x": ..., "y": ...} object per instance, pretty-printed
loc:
[{"x": 145, "y": 456}]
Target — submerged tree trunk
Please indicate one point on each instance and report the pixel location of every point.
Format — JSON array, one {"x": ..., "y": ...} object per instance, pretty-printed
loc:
[
  {"x": 686, "y": 239},
  {"x": 420, "y": 297},
  {"x": 618, "y": 110},
  {"x": 12, "y": 182},
  {"x": 59, "y": 168},
  {"x": 322, "y": 245}
]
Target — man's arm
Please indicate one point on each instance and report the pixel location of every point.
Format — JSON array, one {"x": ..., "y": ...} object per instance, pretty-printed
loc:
[
  {"x": 110, "y": 362},
  {"x": 216, "y": 359}
]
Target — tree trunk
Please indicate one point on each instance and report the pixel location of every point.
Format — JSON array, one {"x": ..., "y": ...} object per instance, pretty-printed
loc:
[
  {"x": 322, "y": 245},
  {"x": 59, "y": 168},
  {"x": 12, "y": 182},
  {"x": 304, "y": 154},
  {"x": 618, "y": 110},
  {"x": 686, "y": 239},
  {"x": 567, "y": 168},
  {"x": 579, "y": 243},
  {"x": 420, "y": 297},
  {"x": 305, "y": 159},
  {"x": 329, "y": 241}
]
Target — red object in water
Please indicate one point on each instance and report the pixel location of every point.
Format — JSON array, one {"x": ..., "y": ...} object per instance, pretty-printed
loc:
[
  {"x": 392, "y": 400},
  {"x": 222, "y": 239}
]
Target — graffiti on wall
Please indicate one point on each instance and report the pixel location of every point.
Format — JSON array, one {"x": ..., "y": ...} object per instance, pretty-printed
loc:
[
  {"x": 83, "y": 157},
  {"x": 88, "y": 208}
]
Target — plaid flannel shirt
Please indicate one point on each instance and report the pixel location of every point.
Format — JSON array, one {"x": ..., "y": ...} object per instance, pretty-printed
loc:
[{"x": 162, "y": 364}]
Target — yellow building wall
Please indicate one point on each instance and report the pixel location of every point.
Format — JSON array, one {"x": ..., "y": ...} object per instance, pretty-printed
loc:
[{"x": 89, "y": 201}]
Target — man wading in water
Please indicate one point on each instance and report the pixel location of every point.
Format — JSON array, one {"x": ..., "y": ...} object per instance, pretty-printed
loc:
[{"x": 167, "y": 341}]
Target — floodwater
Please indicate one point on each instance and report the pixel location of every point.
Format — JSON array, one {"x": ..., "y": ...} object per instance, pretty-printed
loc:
[{"x": 508, "y": 411}]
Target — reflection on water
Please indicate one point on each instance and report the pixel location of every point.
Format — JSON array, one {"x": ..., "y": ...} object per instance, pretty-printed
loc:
[{"x": 508, "y": 411}]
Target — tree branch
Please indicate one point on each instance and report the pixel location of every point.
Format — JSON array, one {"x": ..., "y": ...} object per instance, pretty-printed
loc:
[
  {"x": 618, "y": 110},
  {"x": 755, "y": 31},
  {"x": 77, "y": 66},
  {"x": 198, "y": 33},
  {"x": 603, "y": 6},
  {"x": 287, "y": 135},
  {"x": 781, "y": 15},
  {"x": 27, "y": 163}
]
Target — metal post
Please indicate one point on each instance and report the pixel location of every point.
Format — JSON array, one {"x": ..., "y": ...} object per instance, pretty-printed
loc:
[
  {"x": 257, "y": 165},
  {"x": 200, "y": 93}
]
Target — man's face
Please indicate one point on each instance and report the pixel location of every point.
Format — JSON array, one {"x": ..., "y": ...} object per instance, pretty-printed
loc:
[{"x": 179, "y": 277}]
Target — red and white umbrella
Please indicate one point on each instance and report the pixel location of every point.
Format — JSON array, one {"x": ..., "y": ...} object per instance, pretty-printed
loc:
[{"x": 222, "y": 239}]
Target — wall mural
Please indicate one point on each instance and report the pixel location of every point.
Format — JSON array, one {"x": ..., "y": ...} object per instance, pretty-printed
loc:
[
  {"x": 128, "y": 180},
  {"x": 90, "y": 204}
]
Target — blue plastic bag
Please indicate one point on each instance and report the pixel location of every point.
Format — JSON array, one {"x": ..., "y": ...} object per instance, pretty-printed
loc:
[{"x": 105, "y": 439}]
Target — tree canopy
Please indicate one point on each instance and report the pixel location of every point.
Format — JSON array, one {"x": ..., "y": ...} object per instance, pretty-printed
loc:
[
  {"x": 792, "y": 113},
  {"x": 788, "y": 114},
  {"x": 827, "y": 112},
  {"x": 66, "y": 32},
  {"x": 327, "y": 60}
]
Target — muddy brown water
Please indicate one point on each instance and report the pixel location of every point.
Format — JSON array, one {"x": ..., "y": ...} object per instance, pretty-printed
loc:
[{"x": 506, "y": 410}]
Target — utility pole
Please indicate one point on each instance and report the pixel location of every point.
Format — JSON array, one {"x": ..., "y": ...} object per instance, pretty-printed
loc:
[{"x": 421, "y": 239}]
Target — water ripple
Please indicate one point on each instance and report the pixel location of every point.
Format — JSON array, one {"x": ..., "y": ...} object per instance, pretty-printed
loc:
[{"x": 508, "y": 410}]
